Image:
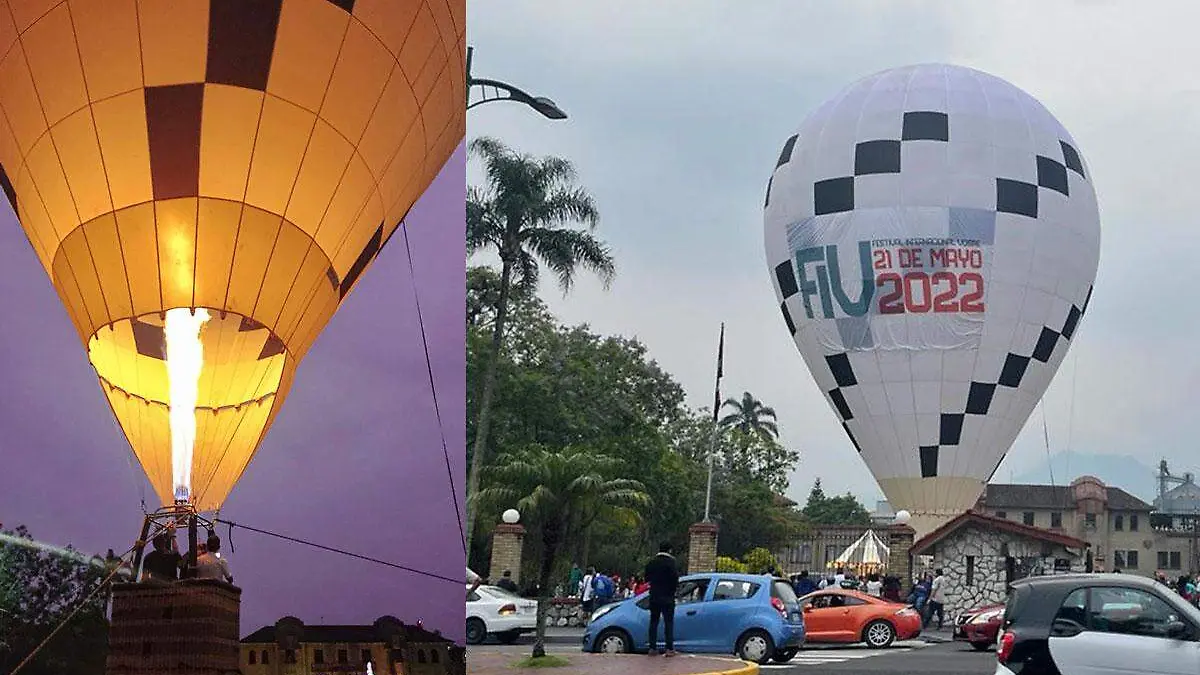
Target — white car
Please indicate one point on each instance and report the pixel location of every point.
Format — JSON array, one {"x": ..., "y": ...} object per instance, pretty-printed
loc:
[{"x": 491, "y": 610}]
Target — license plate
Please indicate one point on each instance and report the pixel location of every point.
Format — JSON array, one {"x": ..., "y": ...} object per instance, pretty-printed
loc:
[{"x": 795, "y": 617}]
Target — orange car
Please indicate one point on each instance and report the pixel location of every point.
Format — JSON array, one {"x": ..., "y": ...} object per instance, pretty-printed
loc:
[{"x": 841, "y": 615}]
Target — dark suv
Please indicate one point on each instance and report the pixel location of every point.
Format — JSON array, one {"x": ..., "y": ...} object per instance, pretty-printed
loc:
[{"x": 1087, "y": 624}]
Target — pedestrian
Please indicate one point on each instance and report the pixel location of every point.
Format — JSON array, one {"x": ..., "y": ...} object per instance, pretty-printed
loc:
[
  {"x": 603, "y": 589},
  {"x": 891, "y": 588},
  {"x": 587, "y": 591},
  {"x": 804, "y": 584},
  {"x": 574, "y": 578},
  {"x": 663, "y": 576},
  {"x": 839, "y": 577},
  {"x": 874, "y": 585},
  {"x": 937, "y": 599},
  {"x": 210, "y": 565},
  {"x": 506, "y": 582},
  {"x": 642, "y": 586},
  {"x": 164, "y": 561}
]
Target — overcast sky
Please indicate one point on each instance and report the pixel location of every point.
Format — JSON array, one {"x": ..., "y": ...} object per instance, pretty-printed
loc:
[{"x": 677, "y": 113}]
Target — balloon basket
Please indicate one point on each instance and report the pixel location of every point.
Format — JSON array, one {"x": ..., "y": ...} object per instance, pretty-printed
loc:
[{"x": 181, "y": 514}]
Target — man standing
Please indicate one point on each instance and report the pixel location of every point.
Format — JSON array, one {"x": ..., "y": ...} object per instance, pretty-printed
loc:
[
  {"x": 663, "y": 576},
  {"x": 574, "y": 579},
  {"x": 507, "y": 583},
  {"x": 587, "y": 598},
  {"x": 937, "y": 599}
]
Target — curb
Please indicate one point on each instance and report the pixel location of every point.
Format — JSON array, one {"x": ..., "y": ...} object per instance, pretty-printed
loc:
[{"x": 746, "y": 668}]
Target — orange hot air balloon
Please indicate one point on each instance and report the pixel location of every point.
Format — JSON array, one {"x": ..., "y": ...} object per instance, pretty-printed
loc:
[{"x": 205, "y": 181}]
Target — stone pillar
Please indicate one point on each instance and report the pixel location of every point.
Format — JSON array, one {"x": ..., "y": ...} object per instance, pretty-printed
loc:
[
  {"x": 507, "y": 541},
  {"x": 186, "y": 627},
  {"x": 900, "y": 541},
  {"x": 702, "y": 548}
]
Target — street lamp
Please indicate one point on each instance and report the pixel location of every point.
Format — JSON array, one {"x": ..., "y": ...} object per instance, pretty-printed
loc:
[
  {"x": 510, "y": 517},
  {"x": 495, "y": 90},
  {"x": 902, "y": 517}
]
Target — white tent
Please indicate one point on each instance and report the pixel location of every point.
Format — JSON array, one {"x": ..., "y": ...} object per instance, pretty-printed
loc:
[{"x": 867, "y": 551}]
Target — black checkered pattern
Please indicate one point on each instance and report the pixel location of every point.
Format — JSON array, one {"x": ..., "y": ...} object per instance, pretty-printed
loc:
[{"x": 1021, "y": 198}]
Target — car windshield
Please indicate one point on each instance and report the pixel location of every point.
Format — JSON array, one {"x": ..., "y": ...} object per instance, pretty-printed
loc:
[{"x": 501, "y": 593}]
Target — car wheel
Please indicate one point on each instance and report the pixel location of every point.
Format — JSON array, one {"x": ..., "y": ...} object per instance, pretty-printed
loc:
[
  {"x": 476, "y": 632},
  {"x": 785, "y": 655},
  {"x": 755, "y": 645},
  {"x": 981, "y": 646},
  {"x": 612, "y": 641},
  {"x": 879, "y": 634},
  {"x": 509, "y": 637}
]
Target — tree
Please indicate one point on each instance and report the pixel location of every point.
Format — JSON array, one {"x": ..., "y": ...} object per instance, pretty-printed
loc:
[
  {"x": 751, "y": 417},
  {"x": 760, "y": 560},
  {"x": 550, "y": 488},
  {"x": 527, "y": 214},
  {"x": 840, "y": 510},
  {"x": 38, "y": 589}
]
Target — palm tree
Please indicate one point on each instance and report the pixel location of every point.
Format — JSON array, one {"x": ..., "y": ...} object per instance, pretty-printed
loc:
[
  {"x": 751, "y": 417},
  {"x": 527, "y": 214},
  {"x": 554, "y": 490}
]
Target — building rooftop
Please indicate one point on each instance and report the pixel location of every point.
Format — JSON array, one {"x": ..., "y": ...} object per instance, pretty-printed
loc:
[
  {"x": 329, "y": 634},
  {"x": 976, "y": 518},
  {"x": 1010, "y": 496}
]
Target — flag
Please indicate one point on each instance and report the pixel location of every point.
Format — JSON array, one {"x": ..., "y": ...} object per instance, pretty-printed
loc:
[{"x": 720, "y": 372}]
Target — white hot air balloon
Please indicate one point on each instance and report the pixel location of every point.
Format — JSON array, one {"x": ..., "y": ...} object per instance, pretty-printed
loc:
[{"x": 933, "y": 236}]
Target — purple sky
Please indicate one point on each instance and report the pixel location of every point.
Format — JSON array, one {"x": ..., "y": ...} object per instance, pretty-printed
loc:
[{"x": 353, "y": 461}]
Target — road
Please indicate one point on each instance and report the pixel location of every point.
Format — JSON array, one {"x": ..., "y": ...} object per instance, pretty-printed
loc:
[{"x": 914, "y": 657}]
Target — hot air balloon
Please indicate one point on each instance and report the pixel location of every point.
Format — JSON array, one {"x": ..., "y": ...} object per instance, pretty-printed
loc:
[
  {"x": 205, "y": 181},
  {"x": 932, "y": 234}
]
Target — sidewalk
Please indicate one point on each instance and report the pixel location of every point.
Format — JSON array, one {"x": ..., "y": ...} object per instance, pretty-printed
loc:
[{"x": 499, "y": 662}]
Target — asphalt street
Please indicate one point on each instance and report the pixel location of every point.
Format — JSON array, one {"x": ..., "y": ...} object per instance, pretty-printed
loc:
[{"x": 914, "y": 657}]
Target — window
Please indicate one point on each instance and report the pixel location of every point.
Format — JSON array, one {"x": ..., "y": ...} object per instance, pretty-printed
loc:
[
  {"x": 970, "y": 570},
  {"x": 253, "y": 657},
  {"x": 1133, "y": 522},
  {"x": 728, "y": 589},
  {"x": 289, "y": 656},
  {"x": 1129, "y": 611},
  {"x": 1168, "y": 560},
  {"x": 1089, "y": 519},
  {"x": 1119, "y": 559},
  {"x": 831, "y": 600},
  {"x": 1072, "y": 616},
  {"x": 1119, "y": 522},
  {"x": 318, "y": 656},
  {"x": 366, "y": 656},
  {"x": 1056, "y": 519},
  {"x": 1131, "y": 560},
  {"x": 1002, "y": 514},
  {"x": 691, "y": 591},
  {"x": 420, "y": 656},
  {"x": 434, "y": 656},
  {"x": 473, "y": 597},
  {"x": 266, "y": 658},
  {"x": 1027, "y": 517},
  {"x": 343, "y": 656}
]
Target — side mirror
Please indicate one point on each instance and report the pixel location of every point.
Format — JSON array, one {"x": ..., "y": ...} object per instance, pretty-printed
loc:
[
  {"x": 808, "y": 608},
  {"x": 1176, "y": 629}
]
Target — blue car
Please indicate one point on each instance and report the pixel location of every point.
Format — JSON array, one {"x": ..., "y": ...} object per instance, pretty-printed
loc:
[{"x": 755, "y": 617}]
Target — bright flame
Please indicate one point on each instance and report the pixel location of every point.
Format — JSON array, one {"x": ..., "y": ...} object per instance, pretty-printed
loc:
[
  {"x": 185, "y": 357},
  {"x": 370, "y": 671}
]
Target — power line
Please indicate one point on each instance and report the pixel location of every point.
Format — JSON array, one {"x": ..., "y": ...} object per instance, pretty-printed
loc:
[
  {"x": 339, "y": 551},
  {"x": 433, "y": 387}
]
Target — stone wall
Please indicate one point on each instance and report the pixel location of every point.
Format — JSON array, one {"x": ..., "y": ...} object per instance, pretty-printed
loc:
[
  {"x": 507, "y": 541},
  {"x": 702, "y": 548},
  {"x": 565, "y": 612},
  {"x": 990, "y": 550}
]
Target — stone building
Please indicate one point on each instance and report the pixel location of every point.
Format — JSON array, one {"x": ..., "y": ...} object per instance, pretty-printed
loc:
[
  {"x": 389, "y": 646},
  {"x": 1115, "y": 524},
  {"x": 981, "y": 554}
]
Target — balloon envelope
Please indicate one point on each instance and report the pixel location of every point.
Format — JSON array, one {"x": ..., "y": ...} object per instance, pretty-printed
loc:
[
  {"x": 933, "y": 235},
  {"x": 250, "y": 157}
]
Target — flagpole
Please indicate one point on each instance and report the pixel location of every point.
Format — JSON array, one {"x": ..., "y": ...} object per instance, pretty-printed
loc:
[{"x": 712, "y": 448}]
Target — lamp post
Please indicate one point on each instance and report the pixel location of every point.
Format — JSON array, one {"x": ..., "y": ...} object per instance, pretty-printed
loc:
[
  {"x": 510, "y": 517},
  {"x": 495, "y": 90}
]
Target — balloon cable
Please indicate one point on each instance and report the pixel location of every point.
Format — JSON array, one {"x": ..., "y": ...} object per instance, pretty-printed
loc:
[
  {"x": 433, "y": 386},
  {"x": 339, "y": 551},
  {"x": 1046, "y": 438}
]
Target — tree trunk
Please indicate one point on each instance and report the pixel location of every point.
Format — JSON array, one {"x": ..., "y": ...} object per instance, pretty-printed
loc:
[
  {"x": 550, "y": 543},
  {"x": 587, "y": 548},
  {"x": 484, "y": 422}
]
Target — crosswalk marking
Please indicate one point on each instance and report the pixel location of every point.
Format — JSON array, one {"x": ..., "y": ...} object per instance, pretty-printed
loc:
[{"x": 815, "y": 657}]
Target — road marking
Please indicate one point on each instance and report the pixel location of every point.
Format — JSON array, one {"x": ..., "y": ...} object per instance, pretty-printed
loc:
[{"x": 815, "y": 657}]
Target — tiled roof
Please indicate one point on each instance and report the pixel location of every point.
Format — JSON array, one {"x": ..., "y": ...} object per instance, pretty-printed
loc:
[
  {"x": 976, "y": 518},
  {"x": 1002, "y": 496},
  {"x": 329, "y": 634}
]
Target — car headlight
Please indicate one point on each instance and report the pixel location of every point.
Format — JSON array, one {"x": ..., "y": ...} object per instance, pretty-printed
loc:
[
  {"x": 601, "y": 612},
  {"x": 985, "y": 617}
]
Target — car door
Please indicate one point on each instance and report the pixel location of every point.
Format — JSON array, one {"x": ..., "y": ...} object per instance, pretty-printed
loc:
[
  {"x": 729, "y": 612},
  {"x": 819, "y": 621},
  {"x": 691, "y": 611},
  {"x": 1110, "y": 630}
]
